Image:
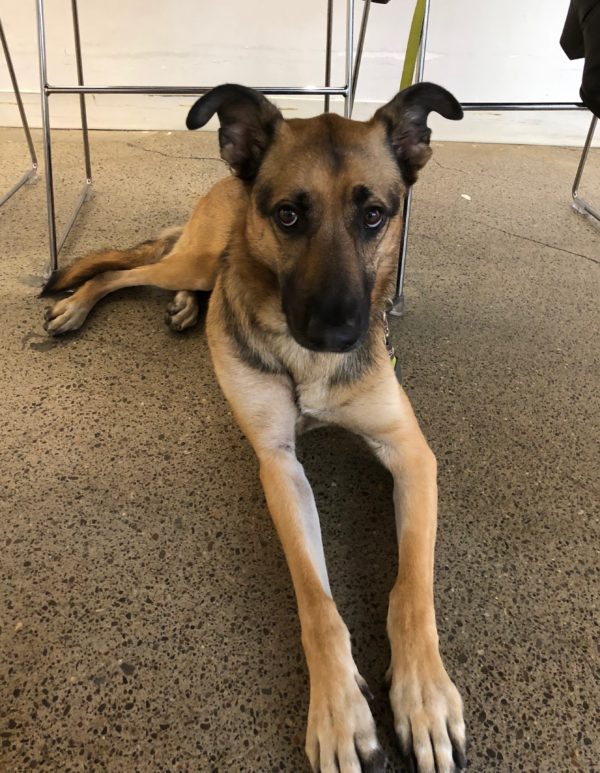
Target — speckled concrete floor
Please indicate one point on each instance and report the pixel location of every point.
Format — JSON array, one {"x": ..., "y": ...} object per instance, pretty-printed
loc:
[{"x": 147, "y": 621}]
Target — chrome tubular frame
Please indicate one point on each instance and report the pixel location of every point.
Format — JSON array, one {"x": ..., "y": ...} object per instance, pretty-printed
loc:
[
  {"x": 359, "y": 51},
  {"x": 398, "y": 300},
  {"x": 56, "y": 244},
  {"x": 30, "y": 175},
  {"x": 579, "y": 204}
]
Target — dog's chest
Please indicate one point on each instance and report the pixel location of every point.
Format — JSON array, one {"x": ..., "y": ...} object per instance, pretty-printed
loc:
[{"x": 314, "y": 401}]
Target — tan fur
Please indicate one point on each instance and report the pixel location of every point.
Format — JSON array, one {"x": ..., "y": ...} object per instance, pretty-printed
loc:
[{"x": 275, "y": 386}]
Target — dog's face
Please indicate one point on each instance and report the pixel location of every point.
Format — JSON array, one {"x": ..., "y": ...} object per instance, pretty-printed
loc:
[
  {"x": 325, "y": 206},
  {"x": 326, "y": 196}
]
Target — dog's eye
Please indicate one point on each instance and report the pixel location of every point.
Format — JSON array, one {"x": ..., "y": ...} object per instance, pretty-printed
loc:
[
  {"x": 373, "y": 217},
  {"x": 287, "y": 216}
]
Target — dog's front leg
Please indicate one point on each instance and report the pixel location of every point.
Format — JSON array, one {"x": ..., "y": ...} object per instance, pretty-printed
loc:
[
  {"x": 341, "y": 732},
  {"x": 427, "y": 706},
  {"x": 341, "y": 735}
]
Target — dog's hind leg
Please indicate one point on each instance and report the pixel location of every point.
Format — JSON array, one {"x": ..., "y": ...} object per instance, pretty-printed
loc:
[
  {"x": 341, "y": 733},
  {"x": 177, "y": 271},
  {"x": 179, "y": 259}
]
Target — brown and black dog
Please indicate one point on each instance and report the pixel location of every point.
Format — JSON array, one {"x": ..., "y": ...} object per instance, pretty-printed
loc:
[{"x": 299, "y": 249}]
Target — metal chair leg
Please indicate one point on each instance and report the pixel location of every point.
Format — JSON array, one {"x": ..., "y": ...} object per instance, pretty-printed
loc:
[
  {"x": 53, "y": 264},
  {"x": 329, "y": 36},
  {"x": 56, "y": 244},
  {"x": 349, "y": 57},
  {"x": 82, "y": 108},
  {"x": 30, "y": 174},
  {"x": 397, "y": 308},
  {"x": 579, "y": 204},
  {"x": 351, "y": 79},
  {"x": 359, "y": 51}
]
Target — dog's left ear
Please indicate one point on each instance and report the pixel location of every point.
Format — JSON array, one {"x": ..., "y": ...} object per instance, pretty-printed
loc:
[
  {"x": 248, "y": 122},
  {"x": 405, "y": 120}
]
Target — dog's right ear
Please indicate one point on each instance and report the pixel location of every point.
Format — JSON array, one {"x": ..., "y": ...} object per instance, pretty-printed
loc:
[{"x": 248, "y": 121}]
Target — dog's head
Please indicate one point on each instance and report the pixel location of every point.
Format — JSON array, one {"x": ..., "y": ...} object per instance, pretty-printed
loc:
[{"x": 325, "y": 199}]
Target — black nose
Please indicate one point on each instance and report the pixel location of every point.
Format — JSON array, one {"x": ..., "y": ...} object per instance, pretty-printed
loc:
[
  {"x": 332, "y": 317},
  {"x": 332, "y": 338}
]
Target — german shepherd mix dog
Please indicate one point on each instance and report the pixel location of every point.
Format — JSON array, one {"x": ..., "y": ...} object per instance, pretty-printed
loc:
[{"x": 299, "y": 249}]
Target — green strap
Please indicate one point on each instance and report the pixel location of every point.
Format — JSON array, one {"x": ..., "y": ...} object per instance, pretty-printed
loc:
[{"x": 412, "y": 48}]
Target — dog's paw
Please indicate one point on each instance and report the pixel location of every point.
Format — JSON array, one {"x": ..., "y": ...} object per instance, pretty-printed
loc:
[
  {"x": 64, "y": 316},
  {"x": 341, "y": 736},
  {"x": 182, "y": 312},
  {"x": 428, "y": 716}
]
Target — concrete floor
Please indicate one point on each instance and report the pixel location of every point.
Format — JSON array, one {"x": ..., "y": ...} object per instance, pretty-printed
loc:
[{"x": 147, "y": 622}]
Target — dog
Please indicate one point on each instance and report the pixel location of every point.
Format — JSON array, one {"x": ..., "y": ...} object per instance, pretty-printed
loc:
[{"x": 299, "y": 248}]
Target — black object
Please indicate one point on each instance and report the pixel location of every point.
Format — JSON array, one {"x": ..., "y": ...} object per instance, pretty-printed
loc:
[{"x": 581, "y": 39}]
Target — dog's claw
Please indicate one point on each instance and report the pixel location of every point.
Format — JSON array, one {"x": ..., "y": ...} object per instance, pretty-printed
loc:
[
  {"x": 376, "y": 762},
  {"x": 459, "y": 752},
  {"x": 387, "y": 679},
  {"x": 170, "y": 322},
  {"x": 406, "y": 749},
  {"x": 409, "y": 763},
  {"x": 364, "y": 687}
]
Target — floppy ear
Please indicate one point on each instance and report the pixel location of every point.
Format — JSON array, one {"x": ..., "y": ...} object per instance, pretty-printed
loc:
[
  {"x": 405, "y": 119},
  {"x": 248, "y": 122}
]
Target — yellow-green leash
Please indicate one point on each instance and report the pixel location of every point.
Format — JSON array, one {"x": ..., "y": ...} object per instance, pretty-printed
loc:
[
  {"x": 408, "y": 74},
  {"x": 412, "y": 47}
]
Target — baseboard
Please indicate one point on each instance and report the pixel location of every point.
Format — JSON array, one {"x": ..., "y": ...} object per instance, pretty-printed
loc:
[{"x": 142, "y": 112}]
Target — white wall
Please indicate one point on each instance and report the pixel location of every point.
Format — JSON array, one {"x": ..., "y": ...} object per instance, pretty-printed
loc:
[{"x": 482, "y": 50}]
